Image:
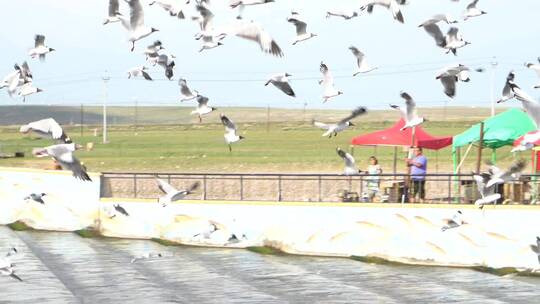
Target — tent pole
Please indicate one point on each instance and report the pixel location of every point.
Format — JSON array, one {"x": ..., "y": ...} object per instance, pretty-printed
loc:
[
  {"x": 394, "y": 168},
  {"x": 480, "y": 147},
  {"x": 494, "y": 156}
]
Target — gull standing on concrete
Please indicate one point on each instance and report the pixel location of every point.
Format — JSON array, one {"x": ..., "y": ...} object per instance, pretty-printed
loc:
[
  {"x": 139, "y": 72},
  {"x": 36, "y": 197},
  {"x": 281, "y": 81},
  {"x": 454, "y": 222},
  {"x": 136, "y": 28},
  {"x": 362, "y": 65},
  {"x": 231, "y": 135},
  {"x": 438, "y": 18},
  {"x": 329, "y": 91},
  {"x": 535, "y": 67},
  {"x": 451, "y": 41},
  {"x": 301, "y": 28},
  {"x": 114, "y": 12},
  {"x": 63, "y": 154},
  {"x": 7, "y": 267},
  {"x": 350, "y": 164},
  {"x": 409, "y": 112},
  {"x": 185, "y": 92},
  {"x": 449, "y": 76},
  {"x": 243, "y": 3},
  {"x": 253, "y": 31},
  {"x": 346, "y": 14},
  {"x": 334, "y": 129},
  {"x": 472, "y": 11},
  {"x": 202, "y": 107},
  {"x": 40, "y": 49},
  {"x": 487, "y": 194},
  {"x": 391, "y": 5},
  {"x": 47, "y": 128},
  {"x": 171, "y": 194},
  {"x": 174, "y": 7}
]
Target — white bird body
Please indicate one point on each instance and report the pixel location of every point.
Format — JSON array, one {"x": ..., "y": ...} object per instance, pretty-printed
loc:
[
  {"x": 231, "y": 135},
  {"x": 346, "y": 14},
  {"x": 139, "y": 72},
  {"x": 113, "y": 12},
  {"x": 63, "y": 154},
  {"x": 146, "y": 256},
  {"x": 281, "y": 81},
  {"x": 449, "y": 76},
  {"x": 487, "y": 194},
  {"x": 9, "y": 79},
  {"x": 254, "y": 31},
  {"x": 40, "y": 50},
  {"x": 243, "y": 3},
  {"x": 137, "y": 30},
  {"x": 174, "y": 7},
  {"x": 350, "y": 163},
  {"x": 171, "y": 193},
  {"x": 47, "y": 128},
  {"x": 301, "y": 28},
  {"x": 329, "y": 91},
  {"x": 334, "y": 129},
  {"x": 438, "y": 18},
  {"x": 391, "y": 5},
  {"x": 28, "y": 89},
  {"x": 185, "y": 92},
  {"x": 408, "y": 113},
  {"x": 472, "y": 11},
  {"x": 362, "y": 65},
  {"x": 202, "y": 107},
  {"x": 455, "y": 222}
]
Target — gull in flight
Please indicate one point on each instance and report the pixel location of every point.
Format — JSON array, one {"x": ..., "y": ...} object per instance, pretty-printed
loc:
[
  {"x": 120, "y": 210},
  {"x": 451, "y": 41},
  {"x": 499, "y": 176},
  {"x": 7, "y": 267},
  {"x": 472, "y": 11},
  {"x": 202, "y": 107},
  {"x": 301, "y": 28},
  {"x": 63, "y": 154},
  {"x": 391, "y": 5},
  {"x": 231, "y": 135},
  {"x": 114, "y": 12},
  {"x": 346, "y": 14},
  {"x": 174, "y": 7},
  {"x": 509, "y": 87},
  {"x": 36, "y": 197},
  {"x": 173, "y": 195},
  {"x": 136, "y": 28},
  {"x": 409, "y": 112},
  {"x": 536, "y": 248},
  {"x": 535, "y": 67},
  {"x": 253, "y": 31},
  {"x": 329, "y": 91},
  {"x": 350, "y": 164},
  {"x": 243, "y": 3},
  {"x": 140, "y": 71},
  {"x": 47, "y": 128},
  {"x": 28, "y": 89},
  {"x": 210, "y": 41},
  {"x": 146, "y": 256},
  {"x": 167, "y": 63},
  {"x": 487, "y": 194},
  {"x": 152, "y": 52},
  {"x": 281, "y": 81},
  {"x": 449, "y": 76},
  {"x": 40, "y": 49},
  {"x": 185, "y": 92},
  {"x": 334, "y": 129},
  {"x": 363, "y": 66},
  {"x": 18, "y": 78},
  {"x": 454, "y": 222},
  {"x": 438, "y": 18}
]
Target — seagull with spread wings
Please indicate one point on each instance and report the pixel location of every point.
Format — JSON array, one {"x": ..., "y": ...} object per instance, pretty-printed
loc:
[
  {"x": 450, "y": 42},
  {"x": 175, "y": 8},
  {"x": 409, "y": 114},
  {"x": 301, "y": 28},
  {"x": 202, "y": 107},
  {"x": 281, "y": 81},
  {"x": 140, "y": 71},
  {"x": 185, "y": 92},
  {"x": 113, "y": 13},
  {"x": 255, "y": 32},
  {"x": 391, "y": 5},
  {"x": 449, "y": 76},
  {"x": 40, "y": 49},
  {"x": 135, "y": 26},
  {"x": 472, "y": 11},
  {"x": 362, "y": 65},
  {"x": 329, "y": 91},
  {"x": 350, "y": 163},
  {"x": 172, "y": 194},
  {"x": 334, "y": 129},
  {"x": 47, "y": 128},
  {"x": 63, "y": 154},
  {"x": 7, "y": 267},
  {"x": 231, "y": 133}
]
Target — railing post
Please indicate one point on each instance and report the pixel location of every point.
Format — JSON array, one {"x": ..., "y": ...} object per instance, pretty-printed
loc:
[
  {"x": 241, "y": 187},
  {"x": 449, "y": 189},
  {"x": 320, "y": 188},
  {"x": 134, "y": 185},
  {"x": 279, "y": 188},
  {"x": 204, "y": 187}
]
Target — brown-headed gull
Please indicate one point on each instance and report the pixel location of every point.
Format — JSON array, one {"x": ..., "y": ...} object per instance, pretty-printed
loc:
[
  {"x": 47, "y": 128},
  {"x": 350, "y": 163},
  {"x": 334, "y": 129},
  {"x": 408, "y": 113},
  {"x": 231, "y": 135},
  {"x": 281, "y": 81},
  {"x": 40, "y": 49}
]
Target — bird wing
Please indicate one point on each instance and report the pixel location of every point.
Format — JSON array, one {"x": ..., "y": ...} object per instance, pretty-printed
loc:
[
  {"x": 229, "y": 125},
  {"x": 207, "y": 17},
  {"x": 25, "y": 73},
  {"x": 529, "y": 104},
  {"x": 301, "y": 26},
  {"x": 411, "y": 106},
  {"x": 184, "y": 89},
  {"x": 321, "y": 125},
  {"x": 285, "y": 87},
  {"x": 114, "y": 7},
  {"x": 254, "y": 32},
  {"x": 536, "y": 68},
  {"x": 349, "y": 159},
  {"x": 515, "y": 168},
  {"x": 328, "y": 80},
  {"x": 480, "y": 183},
  {"x": 48, "y": 125},
  {"x": 202, "y": 101},
  {"x": 472, "y": 4},
  {"x": 193, "y": 187},
  {"x": 146, "y": 75},
  {"x": 136, "y": 19},
  {"x": 449, "y": 84},
  {"x": 452, "y": 34},
  {"x": 70, "y": 162},
  {"x": 355, "y": 113},
  {"x": 434, "y": 31},
  {"x": 401, "y": 110},
  {"x": 165, "y": 187},
  {"x": 358, "y": 54},
  {"x": 39, "y": 40}
]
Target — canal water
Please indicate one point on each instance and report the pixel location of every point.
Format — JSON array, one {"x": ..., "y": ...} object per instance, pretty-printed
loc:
[{"x": 66, "y": 268}]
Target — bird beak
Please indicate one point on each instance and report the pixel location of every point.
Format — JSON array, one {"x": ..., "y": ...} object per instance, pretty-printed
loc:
[
  {"x": 288, "y": 75},
  {"x": 51, "y": 49},
  {"x": 351, "y": 124},
  {"x": 39, "y": 90}
]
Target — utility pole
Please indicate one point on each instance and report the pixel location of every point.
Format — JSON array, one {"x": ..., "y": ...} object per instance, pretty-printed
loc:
[
  {"x": 136, "y": 115},
  {"x": 494, "y": 64},
  {"x": 267, "y": 118},
  {"x": 304, "y": 113},
  {"x": 105, "y": 79},
  {"x": 82, "y": 119}
]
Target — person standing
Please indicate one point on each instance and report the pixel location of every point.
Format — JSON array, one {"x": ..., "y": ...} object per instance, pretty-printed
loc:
[
  {"x": 418, "y": 166},
  {"x": 373, "y": 178}
]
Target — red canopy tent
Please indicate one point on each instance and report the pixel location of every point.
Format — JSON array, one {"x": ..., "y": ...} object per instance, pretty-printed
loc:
[
  {"x": 535, "y": 151},
  {"x": 394, "y": 137}
]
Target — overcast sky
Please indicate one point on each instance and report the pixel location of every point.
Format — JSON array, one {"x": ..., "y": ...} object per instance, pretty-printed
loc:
[{"x": 407, "y": 57}]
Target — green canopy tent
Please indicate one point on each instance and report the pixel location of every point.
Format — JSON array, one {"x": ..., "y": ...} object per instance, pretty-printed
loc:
[{"x": 499, "y": 131}]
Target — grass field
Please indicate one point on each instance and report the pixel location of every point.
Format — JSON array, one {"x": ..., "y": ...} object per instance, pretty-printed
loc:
[{"x": 282, "y": 145}]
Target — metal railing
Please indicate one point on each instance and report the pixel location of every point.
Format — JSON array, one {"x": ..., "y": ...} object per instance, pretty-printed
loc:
[{"x": 439, "y": 188}]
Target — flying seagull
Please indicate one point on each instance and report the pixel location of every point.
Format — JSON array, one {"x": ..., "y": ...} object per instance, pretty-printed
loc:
[
  {"x": 210, "y": 41},
  {"x": 36, "y": 197},
  {"x": 47, "y": 128},
  {"x": 146, "y": 256},
  {"x": 454, "y": 222},
  {"x": 174, "y": 7},
  {"x": 508, "y": 89},
  {"x": 40, "y": 49},
  {"x": 451, "y": 41},
  {"x": 409, "y": 112},
  {"x": 136, "y": 28},
  {"x": 334, "y": 129},
  {"x": 536, "y": 68},
  {"x": 63, "y": 154},
  {"x": 185, "y": 92},
  {"x": 167, "y": 63},
  {"x": 152, "y": 52},
  {"x": 350, "y": 164},
  {"x": 327, "y": 82},
  {"x": 391, "y": 5},
  {"x": 511, "y": 90},
  {"x": 499, "y": 176},
  {"x": 243, "y": 3},
  {"x": 120, "y": 209},
  {"x": 140, "y": 71},
  {"x": 449, "y": 76},
  {"x": 114, "y": 12},
  {"x": 536, "y": 248},
  {"x": 472, "y": 11},
  {"x": 28, "y": 89},
  {"x": 7, "y": 267},
  {"x": 281, "y": 81},
  {"x": 438, "y": 18},
  {"x": 301, "y": 28},
  {"x": 362, "y": 65},
  {"x": 254, "y": 32},
  {"x": 346, "y": 14},
  {"x": 204, "y": 18},
  {"x": 202, "y": 107},
  {"x": 173, "y": 195},
  {"x": 17, "y": 79},
  {"x": 487, "y": 194},
  {"x": 231, "y": 135}
]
